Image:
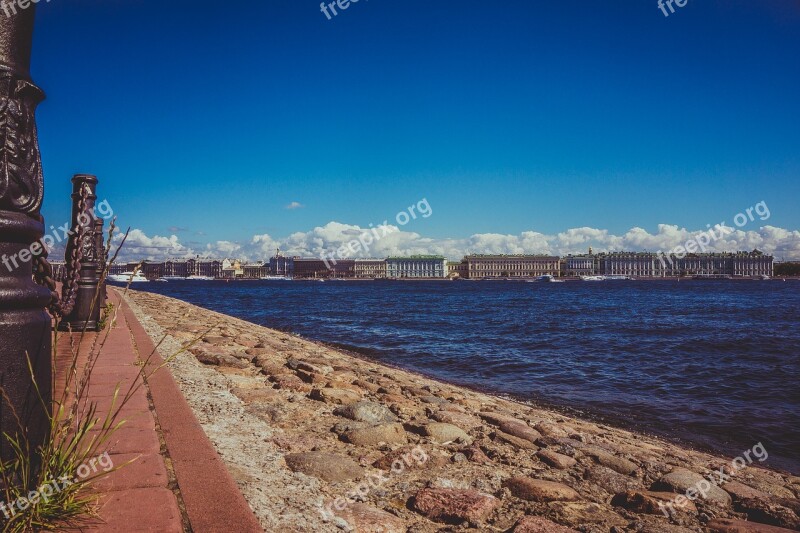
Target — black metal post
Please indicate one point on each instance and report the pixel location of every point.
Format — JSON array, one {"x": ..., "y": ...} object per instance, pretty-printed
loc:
[
  {"x": 86, "y": 311},
  {"x": 25, "y": 327},
  {"x": 101, "y": 258}
]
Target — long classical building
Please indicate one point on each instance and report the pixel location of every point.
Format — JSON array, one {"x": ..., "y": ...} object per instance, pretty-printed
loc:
[
  {"x": 660, "y": 265},
  {"x": 370, "y": 268},
  {"x": 511, "y": 266},
  {"x": 416, "y": 266}
]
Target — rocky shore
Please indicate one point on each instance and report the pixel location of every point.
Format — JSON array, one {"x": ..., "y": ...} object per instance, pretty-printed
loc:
[{"x": 320, "y": 440}]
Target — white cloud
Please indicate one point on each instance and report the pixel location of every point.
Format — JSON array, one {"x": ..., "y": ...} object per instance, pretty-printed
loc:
[
  {"x": 295, "y": 205},
  {"x": 781, "y": 242}
]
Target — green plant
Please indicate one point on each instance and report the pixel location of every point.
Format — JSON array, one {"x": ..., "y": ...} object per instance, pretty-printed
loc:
[
  {"x": 108, "y": 311},
  {"x": 78, "y": 434}
]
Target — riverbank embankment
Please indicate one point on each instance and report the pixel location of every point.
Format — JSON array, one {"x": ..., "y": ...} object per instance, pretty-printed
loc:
[{"x": 321, "y": 440}]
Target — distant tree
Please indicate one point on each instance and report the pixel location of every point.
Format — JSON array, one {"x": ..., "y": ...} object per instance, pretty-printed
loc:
[{"x": 787, "y": 269}]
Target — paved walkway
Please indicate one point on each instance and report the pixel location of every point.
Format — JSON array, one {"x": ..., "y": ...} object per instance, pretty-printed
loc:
[{"x": 177, "y": 482}]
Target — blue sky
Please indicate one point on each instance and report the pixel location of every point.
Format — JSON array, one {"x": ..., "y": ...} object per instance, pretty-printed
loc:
[{"x": 204, "y": 120}]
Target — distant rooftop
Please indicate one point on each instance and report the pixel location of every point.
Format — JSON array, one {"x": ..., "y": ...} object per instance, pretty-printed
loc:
[{"x": 415, "y": 257}]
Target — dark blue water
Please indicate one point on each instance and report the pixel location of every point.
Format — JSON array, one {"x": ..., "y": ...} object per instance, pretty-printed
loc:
[{"x": 712, "y": 363}]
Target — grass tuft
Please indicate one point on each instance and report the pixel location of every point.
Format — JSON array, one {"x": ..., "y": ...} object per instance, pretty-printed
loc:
[{"x": 48, "y": 488}]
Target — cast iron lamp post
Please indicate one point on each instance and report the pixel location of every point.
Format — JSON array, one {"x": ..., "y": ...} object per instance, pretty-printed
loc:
[{"x": 25, "y": 326}]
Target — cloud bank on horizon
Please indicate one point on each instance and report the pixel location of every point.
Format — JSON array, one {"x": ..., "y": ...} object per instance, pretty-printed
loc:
[{"x": 782, "y": 243}]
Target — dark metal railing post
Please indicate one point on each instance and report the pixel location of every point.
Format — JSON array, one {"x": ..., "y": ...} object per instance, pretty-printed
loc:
[
  {"x": 100, "y": 246},
  {"x": 25, "y": 326},
  {"x": 86, "y": 311}
]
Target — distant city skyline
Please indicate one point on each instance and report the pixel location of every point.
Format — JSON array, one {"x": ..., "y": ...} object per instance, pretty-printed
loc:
[
  {"x": 319, "y": 241},
  {"x": 530, "y": 127}
]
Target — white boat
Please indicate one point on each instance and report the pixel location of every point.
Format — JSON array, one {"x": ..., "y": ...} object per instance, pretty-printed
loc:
[
  {"x": 617, "y": 278},
  {"x": 276, "y": 278},
  {"x": 200, "y": 278},
  {"x": 593, "y": 278},
  {"x": 547, "y": 278},
  {"x": 171, "y": 278},
  {"x": 127, "y": 277}
]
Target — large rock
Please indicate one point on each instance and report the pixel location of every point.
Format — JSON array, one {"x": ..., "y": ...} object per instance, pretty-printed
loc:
[
  {"x": 611, "y": 481},
  {"x": 462, "y": 420},
  {"x": 618, "y": 464},
  {"x": 364, "y": 518},
  {"x": 455, "y": 505},
  {"x": 496, "y": 418},
  {"x": 335, "y": 396},
  {"x": 769, "y": 512},
  {"x": 537, "y": 524},
  {"x": 270, "y": 366},
  {"x": 246, "y": 342},
  {"x": 260, "y": 394},
  {"x": 648, "y": 502},
  {"x": 231, "y": 361},
  {"x": 475, "y": 454},
  {"x": 326, "y": 466},
  {"x": 727, "y": 525},
  {"x": 411, "y": 458},
  {"x": 581, "y": 514},
  {"x": 520, "y": 430},
  {"x": 556, "y": 460},
  {"x": 290, "y": 382},
  {"x": 314, "y": 379},
  {"x": 517, "y": 442},
  {"x": 374, "y": 435},
  {"x": 311, "y": 368},
  {"x": 369, "y": 412},
  {"x": 680, "y": 480},
  {"x": 218, "y": 340},
  {"x": 443, "y": 433},
  {"x": 740, "y": 491},
  {"x": 539, "y": 490},
  {"x": 551, "y": 429},
  {"x": 257, "y": 351},
  {"x": 216, "y": 358}
]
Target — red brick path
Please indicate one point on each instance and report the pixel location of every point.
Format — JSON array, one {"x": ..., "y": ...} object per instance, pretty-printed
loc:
[{"x": 138, "y": 497}]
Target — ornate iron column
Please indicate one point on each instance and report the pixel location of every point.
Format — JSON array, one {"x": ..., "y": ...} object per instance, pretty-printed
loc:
[
  {"x": 86, "y": 311},
  {"x": 25, "y": 327}
]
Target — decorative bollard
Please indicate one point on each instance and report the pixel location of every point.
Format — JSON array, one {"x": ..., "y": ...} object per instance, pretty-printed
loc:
[
  {"x": 99, "y": 245},
  {"x": 89, "y": 297},
  {"x": 25, "y": 327}
]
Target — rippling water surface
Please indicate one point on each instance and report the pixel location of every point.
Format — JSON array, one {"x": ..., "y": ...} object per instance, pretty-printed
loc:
[{"x": 712, "y": 363}]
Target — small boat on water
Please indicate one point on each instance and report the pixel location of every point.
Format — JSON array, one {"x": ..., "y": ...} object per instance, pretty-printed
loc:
[
  {"x": 618, "y": 278},
  {"x": 593, "y": 278},
  {"x": 275, "y": 278},
  {"x": 127, "y": 277},
  {"x": 171, "y": 278},
  {"x": 547, "y": 278},
  {"x": 200, "y": 278}
]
